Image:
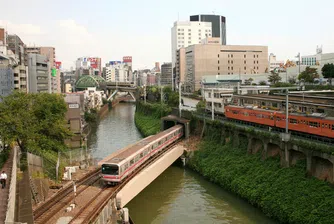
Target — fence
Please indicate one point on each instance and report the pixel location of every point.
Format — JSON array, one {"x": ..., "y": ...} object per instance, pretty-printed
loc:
[{"x": 10, "y": 214}]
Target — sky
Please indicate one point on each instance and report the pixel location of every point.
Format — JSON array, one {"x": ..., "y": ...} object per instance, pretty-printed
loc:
[{"x": 142, "y": 28}]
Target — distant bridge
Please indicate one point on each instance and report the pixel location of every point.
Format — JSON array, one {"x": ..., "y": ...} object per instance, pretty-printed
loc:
[{"x": 112, "y": 88}]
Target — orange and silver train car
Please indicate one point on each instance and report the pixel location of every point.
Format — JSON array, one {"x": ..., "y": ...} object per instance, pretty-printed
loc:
[
  {"x": 122, "y": 163},
  {"x": 314, "y": 125}
]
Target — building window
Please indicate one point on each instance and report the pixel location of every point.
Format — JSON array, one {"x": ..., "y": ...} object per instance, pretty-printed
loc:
[
  {"x": 199, "y": 30},
  {"x": 228, "y": 73},
  {"x": 189, "y": 42},
  {"x": 178, "y": 29},
  {"x": 228, "y": 61},
  {"x": 232, "y": 56},
  {"x": 189, "y": 38},
  {"x": 218, "y": 55},
  {"x": 245, "y": 68},
  {"x": 254, "y": 67},
  {"x": 232, "y": 68},
  {"x": 254, "y": 55},
  {"x": 231, "y": 62},
  {"x": 257, "y": 68},
  {"x": 218, "y": 61},
  {"x": 257, "y": 62},
  {"x": 218, "y": 68},
  {"x": 245, "y": 62},
  {"x": 218, "y": 73},
  {"x": 209, "y": 35},
  {"x": 228, "y": 68},
  {"x": 257, "y": 56},
  {"x": 228, "y": 55},
  {"x": 244, "y": 56},
  {"x": 254, "y": 62}
]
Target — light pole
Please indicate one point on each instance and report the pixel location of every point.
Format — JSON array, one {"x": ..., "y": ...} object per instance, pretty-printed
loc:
[
  {"x": 298, "y": 56},
  {"x": 180, "y": 104}
]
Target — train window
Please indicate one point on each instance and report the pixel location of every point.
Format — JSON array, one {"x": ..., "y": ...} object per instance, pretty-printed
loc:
[
  {"x": 159, "y": 143},
  {"x": 234, "y": 111},
  {"x": 314, "y": 124},
  {"x": 166, "y": 139},
  {"x": 332, "y": 127},
  {"x": 322, "y": 125},
  {"x": 293, "y": 121},
  {"x": 141, "y": 155},
  {"x": 132, "y": 161},
  {"x": 278, "y": 118}
]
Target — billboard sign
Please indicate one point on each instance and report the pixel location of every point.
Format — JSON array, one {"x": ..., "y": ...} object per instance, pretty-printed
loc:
[
  {"x": 54, "y": 72},
  {"x": 114, "y": 62},
  {"x": 73, "y": 106},
  {"x": 58, "y": 64},
  {"x": 127, "y": 59},
  {"x": 93, "y": 62}
]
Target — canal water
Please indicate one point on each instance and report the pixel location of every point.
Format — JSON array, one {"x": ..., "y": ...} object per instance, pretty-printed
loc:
[{"x": 178, "y": 195}]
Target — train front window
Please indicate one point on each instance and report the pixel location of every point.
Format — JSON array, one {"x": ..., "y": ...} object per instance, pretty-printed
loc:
[{"x": 110, "y": 169}]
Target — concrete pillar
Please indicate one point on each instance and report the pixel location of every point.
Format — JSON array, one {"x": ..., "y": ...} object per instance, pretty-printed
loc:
[
  {"x": 286, "y": 161},
  {"x": 187, "y": 130},
  {"x": 236, "y": 139},
  {"x": 265, "y": 150},
  {"x": 309, "y": 163},
  {"x": 249, "y": 146}
]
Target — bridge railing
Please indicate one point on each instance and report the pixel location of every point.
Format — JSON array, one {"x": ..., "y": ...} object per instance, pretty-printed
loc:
[{"x": 12, "y": 191}]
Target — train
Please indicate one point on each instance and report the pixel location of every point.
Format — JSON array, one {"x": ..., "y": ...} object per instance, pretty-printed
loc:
[
  {"x": 118, "y": 166},
  {"x": 309, "y": 124}
]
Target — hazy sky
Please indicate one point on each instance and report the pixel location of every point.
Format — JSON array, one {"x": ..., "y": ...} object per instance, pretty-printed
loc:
[{"x": 142, "y": 28}]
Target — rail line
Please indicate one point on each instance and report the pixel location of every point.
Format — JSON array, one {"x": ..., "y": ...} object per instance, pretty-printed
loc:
[
  {"x": 44, "y": 212},
  {"x": 94, "y": 207}
]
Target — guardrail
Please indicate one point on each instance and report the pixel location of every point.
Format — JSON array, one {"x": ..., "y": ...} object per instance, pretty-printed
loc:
[{"x": 10, "y": 214}]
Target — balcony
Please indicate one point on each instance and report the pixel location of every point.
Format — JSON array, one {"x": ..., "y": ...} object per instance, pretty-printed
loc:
[
  {"x": 23, "y": 83},
  {"x": 42, "y": 81},
  {"x": 16, "y": 86}
]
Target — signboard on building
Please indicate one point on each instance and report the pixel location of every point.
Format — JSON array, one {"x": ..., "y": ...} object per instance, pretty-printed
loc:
[
  {"x": 127, "y": 59},
  {"x": 58, "y": 64},
  {"x": 93, "y": 62},
  {"x": 54, "y": 72},
  {"x": 114, "y": 62},
  {"x": 73, "y": 106}
]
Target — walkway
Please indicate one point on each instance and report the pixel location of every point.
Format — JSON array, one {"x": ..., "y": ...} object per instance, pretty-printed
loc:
[{"x": 4, "y": 192}]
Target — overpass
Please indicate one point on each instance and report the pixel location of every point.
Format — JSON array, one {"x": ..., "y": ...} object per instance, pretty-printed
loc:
[{"x": 112, "y": 88}]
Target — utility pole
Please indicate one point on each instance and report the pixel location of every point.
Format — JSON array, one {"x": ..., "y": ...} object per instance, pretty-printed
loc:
[
  {"x": 180, "y": 104},
  {"x": 212, "y": 106}
]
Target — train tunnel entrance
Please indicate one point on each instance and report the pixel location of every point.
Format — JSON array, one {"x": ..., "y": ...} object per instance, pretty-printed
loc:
[{"x": 172, "y": 120}]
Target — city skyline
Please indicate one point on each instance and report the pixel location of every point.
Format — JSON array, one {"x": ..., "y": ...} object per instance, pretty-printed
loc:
[{"x": 143, "y": 29}]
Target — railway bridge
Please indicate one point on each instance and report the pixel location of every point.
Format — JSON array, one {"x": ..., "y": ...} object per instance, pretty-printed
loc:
[{"x": 112, "y": 88}]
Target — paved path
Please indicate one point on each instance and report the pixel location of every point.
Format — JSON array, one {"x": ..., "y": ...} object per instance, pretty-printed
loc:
[{"x": 7, "y": 167}]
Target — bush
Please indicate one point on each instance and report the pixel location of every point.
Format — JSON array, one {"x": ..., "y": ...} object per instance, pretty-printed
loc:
[{"x": 285, "y": 194}]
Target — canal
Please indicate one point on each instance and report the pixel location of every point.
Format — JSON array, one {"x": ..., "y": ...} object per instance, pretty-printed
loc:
[{"x": 178, "y": 195}]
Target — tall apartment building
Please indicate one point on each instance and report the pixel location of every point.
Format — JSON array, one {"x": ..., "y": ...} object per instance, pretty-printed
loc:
[
  {"x": 218, "y": 25},
  {"x": 119, "y": 72},
  {"x": 166, "y": 74},
  {"x": 185, "y": 34},
  {"x": 50, "y": 54},
  {"x": 39, "y": 76},
  {"x": 88, "y": 66},
  {"x": 215, "y": 59},
  {"x": 6, "y": 76}
]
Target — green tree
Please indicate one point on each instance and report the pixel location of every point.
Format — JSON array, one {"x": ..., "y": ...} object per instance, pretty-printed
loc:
[
  {"x": 34, "y": 121},
  {"x": 200, "y": 107},
  {"x": 249, "y": 81},
  {"x": 292, "y": 80},
  {"x": 328, "y": 71},
  {"x": 274, "y": 77},
  {"x": 262, "y": 83},
  {"x": 309, "y": 75}
]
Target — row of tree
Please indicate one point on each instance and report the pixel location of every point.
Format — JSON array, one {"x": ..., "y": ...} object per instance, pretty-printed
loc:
[
  {"x": 36, "y": 122},
  {"x": 309, "y": 75}
]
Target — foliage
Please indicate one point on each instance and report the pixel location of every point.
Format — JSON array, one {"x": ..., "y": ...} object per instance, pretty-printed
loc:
[
  {"x": 308, "y": 75},
  {"x": 319, "y": 87},
  {"x": 172, "y": 98},
  {"x": 249, "y": 81},
  {"x": 35, "y": 121},
  {"x": 274, "y": 77},
  {"x": 104, "y": 101},
  {"x": 328, "y": 71},
  {"x": 155, "y": 110},
  {"x": 285, "y": 194},
  {"x": 282, "y": 84},
  {"x": 262, "y": 83},
  {"x": 200, "y": 107},
  {"x": 292, "y": 80},
  {"x": 3, "y": 157},
  {"x": 91, "y": 115},
  {"x": 147, "y": 125}
]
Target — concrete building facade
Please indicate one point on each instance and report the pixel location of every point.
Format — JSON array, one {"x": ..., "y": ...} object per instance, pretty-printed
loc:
[
  {"x": 188, "y": 33},
  {"x": 218, "y": 24},
  {"x": 50, "y": 54},
  {"x": 39, "y": 76},
  {"x": 216, "y": 59},
  {"x": 166, "y": 74},
  {"x": 6, "y": 76},
  {"x": 118, "y": 73},
  {"x": 274, "y": 63}
]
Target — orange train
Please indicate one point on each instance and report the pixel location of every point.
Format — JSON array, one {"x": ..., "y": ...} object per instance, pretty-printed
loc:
[{"x": 315, "y": 125}]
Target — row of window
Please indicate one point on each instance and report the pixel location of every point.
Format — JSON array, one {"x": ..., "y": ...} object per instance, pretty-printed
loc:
[{"x": 147, "y": 151}]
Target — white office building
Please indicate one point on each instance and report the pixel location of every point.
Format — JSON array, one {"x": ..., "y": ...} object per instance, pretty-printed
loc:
[
  {"x": 187, "y": 33},
  {"x": 118, "y": 73},
  {"x": 275, "y": 64}
]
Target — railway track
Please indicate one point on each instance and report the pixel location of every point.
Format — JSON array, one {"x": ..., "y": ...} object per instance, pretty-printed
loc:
[
  {"x": 44, "y": 212},
  {"x": 94, "y": 207}
]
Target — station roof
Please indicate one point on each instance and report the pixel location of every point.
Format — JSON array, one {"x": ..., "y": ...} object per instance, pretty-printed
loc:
[{"x": 86, "y": 81}]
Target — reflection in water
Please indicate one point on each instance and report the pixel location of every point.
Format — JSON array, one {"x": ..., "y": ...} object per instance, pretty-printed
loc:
[{"x": 178, "y": 195}]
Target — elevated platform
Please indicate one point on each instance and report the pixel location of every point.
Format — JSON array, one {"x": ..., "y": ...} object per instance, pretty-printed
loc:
[{"x": 171, "y": 120}]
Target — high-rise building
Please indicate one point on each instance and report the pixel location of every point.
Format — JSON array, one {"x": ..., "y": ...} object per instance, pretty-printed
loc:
[
  {"x": 88, "y": 66},
  {"x": 185, "y": 34},
  {"x": 6, "y": 76},
  {"x": 50, "y": 54},
  {"x": 166, "y": 74},
  {"x": 218, "y": 25},
  {"x": 157, "y": 67},
  {"x": 39, "y": 76},
  {"x": 215, "y": 59},
  {"x": 117, "y": 72},
  {"x": 127, "y": 60}
]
